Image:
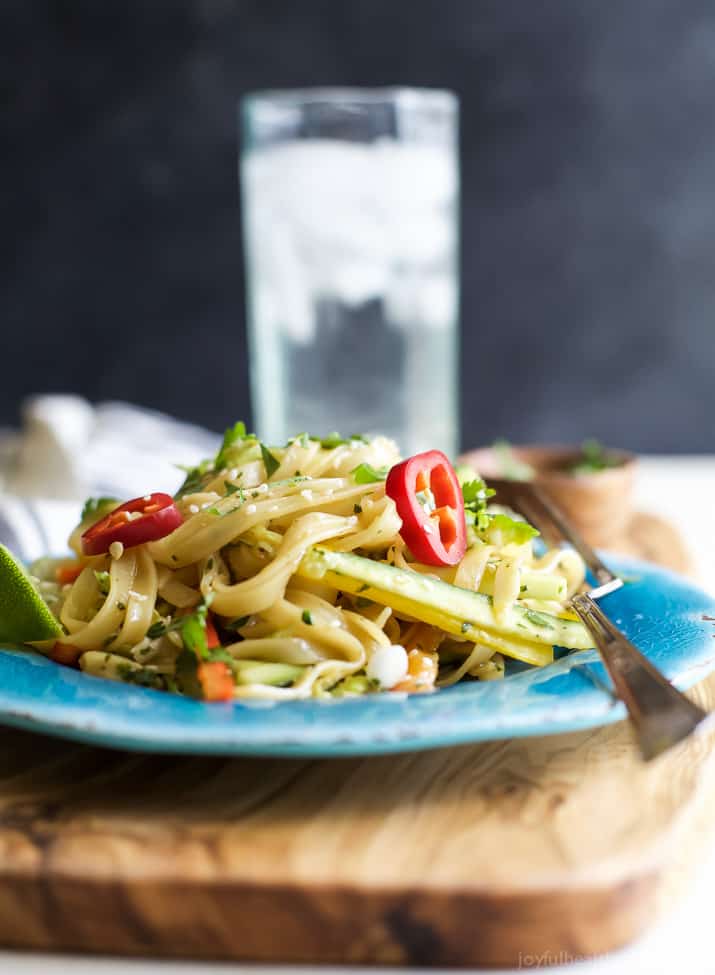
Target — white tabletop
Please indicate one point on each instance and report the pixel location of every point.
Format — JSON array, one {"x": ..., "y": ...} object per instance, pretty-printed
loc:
[{"x": 682, "y": 490}]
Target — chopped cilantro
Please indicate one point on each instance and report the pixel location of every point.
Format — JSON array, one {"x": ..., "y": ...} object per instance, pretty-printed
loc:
[
  {"x": 93, "y": 507},
  {"x": 476, "y": 494},
  {"x": 367, "y": 474},
  {"x": 232, "y": 435},
  {"x": 512, "y": 530},
  {"x": 237, "y": 623},
  {"x": 193, "y": 630},
  {"x": 187, "y": 664},
  {"x": 233, "y": 489},
  {"x": 538, "y": 619},
  {"x": 194, "y": 479},
  {"x": 333, "y": 440},
  {"x": 142, "y": 676},
  {"x": 269, "y": 461},
  {"x": 158, "y": 629},
  {"x": 307, "y": 617},
  {"x": 594, "y": 458},
  {"x": 102, "y": 581}
]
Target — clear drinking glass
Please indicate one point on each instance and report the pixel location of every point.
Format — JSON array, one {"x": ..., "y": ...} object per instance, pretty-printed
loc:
[{"x": 351, "y": 201}]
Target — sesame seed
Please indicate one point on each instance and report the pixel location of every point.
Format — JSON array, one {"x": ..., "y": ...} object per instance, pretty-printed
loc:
[
  {"x": 250, "y": 509},
  {"x": 116, "y": 550},
  {"x": 307, "y": 494},
  {"x": 194, "y": 509}
]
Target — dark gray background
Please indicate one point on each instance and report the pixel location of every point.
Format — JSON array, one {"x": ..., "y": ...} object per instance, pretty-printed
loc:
[{"x": 588, "y": 165}]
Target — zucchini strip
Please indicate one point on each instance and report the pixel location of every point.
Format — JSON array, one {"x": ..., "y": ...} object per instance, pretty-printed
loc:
[{"x": 457, "y": 611}]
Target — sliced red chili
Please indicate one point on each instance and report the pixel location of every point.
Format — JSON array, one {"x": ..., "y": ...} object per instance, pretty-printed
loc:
[
  {"x": 140, "y": 520},
  {"x": 216, "y": 681},
  {"x": 428, "y": 498}
]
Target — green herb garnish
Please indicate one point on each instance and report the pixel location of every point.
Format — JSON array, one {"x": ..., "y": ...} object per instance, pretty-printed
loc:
[
  {"x": 367, "y": 474},
  {"x": 269, "y": 461},
  {"x": 232, "y": 435},
  {"x": 102, "y": 581},
  {"x": 512, "y": 530},
  {"x": 307, "y": 617},
  {"x": 476, "y": 495},
  {"x": 93, "y": 507},
  {"x": 594, "y": 458},
  {"x": 237, "y": 623},
  {"x": 195, "y": 477},
  {"x": 143, "y": 676}
]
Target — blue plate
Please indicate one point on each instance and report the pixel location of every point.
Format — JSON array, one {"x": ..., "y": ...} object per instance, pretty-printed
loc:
[{"x": 659, "y": 611}]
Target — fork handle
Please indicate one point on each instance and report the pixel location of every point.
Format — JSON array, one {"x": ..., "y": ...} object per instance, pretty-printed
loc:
[{"x": 661, "y": 714}]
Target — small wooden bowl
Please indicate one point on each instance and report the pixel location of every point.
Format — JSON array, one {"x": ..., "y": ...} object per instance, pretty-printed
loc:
[{"x": 598, "y": 503}]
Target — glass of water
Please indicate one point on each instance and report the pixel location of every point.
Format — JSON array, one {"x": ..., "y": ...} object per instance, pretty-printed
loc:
[{"x": 350, "y": 202}]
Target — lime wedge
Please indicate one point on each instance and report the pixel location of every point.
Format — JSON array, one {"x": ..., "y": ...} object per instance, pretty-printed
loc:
[{"x": 24, "y": 615}]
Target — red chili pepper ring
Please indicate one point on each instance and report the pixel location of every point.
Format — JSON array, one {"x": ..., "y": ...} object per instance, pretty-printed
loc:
[
  {"x": 140, "y": 520},
  {"x": 428, "y": 498}
]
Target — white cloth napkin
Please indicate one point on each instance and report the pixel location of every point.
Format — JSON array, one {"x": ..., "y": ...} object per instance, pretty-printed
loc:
[{"x": 68, "y": 450}]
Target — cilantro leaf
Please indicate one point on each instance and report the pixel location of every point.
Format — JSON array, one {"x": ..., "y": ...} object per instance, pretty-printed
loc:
[
  {"x": 143, "y": 677},
  {"x": 102, "y": 581},
  {"x": 95, "y": 506},
  {"x": 187, "y": 666},
  {"x": 232, "y": 435},
  {"x": 367, "y": 474},
  {"x": 333, "y": 440},
  {"x": 476, "y": 495},
  {"x": 193, "y": 631},
  {"x": 594, "y": 458},
  {"x": 269, "y": 461},
  {"x": 233, "y": 489},
  {"x": 512, "y": 530},
  {"x": 237, "y": 623},
  {"x": 307, "y": 617},
  {"x": 194, "y": 479},
  {"x": 336, "y": 439}
]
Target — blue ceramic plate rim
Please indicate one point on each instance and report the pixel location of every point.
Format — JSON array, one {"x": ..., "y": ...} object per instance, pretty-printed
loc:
[{"x": 663, "y": 613}]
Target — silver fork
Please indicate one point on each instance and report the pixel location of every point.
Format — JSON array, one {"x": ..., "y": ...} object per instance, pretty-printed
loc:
[{"x": 661, "y": 715}]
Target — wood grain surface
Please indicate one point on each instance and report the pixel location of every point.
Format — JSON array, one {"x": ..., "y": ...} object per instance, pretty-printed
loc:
[{"x": 464, "y": 856}]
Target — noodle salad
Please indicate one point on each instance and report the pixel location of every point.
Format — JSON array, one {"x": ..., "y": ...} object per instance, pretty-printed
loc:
[{"x": 326, "y": 567}]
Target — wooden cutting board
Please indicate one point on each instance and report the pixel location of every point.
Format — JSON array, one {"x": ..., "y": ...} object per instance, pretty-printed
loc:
[{"x": 474, "y": 855}]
